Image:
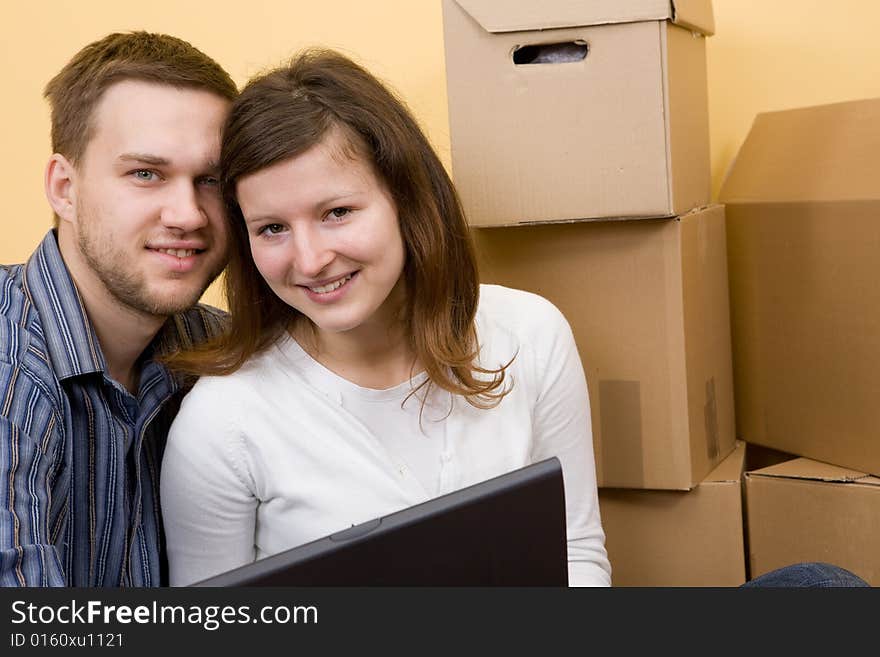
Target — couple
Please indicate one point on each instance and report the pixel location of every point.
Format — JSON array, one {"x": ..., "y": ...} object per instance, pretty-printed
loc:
[{"x": 361, "y": 369}]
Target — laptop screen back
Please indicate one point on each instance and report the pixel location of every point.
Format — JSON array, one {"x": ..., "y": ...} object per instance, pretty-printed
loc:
[{"x": 506, "y": 531}]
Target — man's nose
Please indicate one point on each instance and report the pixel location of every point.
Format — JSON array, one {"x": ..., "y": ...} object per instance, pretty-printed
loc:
[{"x": 183, "y": 208}]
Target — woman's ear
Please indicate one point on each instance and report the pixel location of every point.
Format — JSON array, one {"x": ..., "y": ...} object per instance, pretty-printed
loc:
[{"x": 59, "y": 185}]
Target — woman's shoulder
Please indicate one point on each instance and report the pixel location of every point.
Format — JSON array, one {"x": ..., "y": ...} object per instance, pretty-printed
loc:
[
  {"x": 518, "y": 310},
  {"x": 234, "y": 389}
]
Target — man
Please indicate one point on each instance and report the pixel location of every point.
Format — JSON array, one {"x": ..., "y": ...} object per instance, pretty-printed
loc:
[{"x": 139, "y": 235}]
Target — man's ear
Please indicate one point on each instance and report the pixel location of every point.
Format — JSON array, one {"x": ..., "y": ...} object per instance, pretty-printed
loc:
[{"x": 60, "y": 186}]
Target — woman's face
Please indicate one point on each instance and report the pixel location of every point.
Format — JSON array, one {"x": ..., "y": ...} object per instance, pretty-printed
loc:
[{"x": 324, "y": 235}]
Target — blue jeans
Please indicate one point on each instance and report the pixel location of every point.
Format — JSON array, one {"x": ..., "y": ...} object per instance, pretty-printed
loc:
[{"x": 808, "y": 575}]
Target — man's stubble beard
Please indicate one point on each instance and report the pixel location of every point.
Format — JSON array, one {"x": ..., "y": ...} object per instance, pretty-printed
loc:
[{"x": 130, "y": 288}]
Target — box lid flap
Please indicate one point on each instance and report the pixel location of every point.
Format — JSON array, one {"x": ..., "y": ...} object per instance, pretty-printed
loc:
[
  {"x": 694, "y": 14},
  {"x": 801, "y": 468},
  {"x": 518, "y": 15},
  {"x": 821, "y": 153}
]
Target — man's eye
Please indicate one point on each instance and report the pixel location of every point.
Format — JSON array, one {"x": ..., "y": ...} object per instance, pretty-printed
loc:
[
  {"x": 210, "y": 181},
  {"x": 144, "y": 174}
]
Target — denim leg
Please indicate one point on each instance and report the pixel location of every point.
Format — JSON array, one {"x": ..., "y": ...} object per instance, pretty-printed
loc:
[{"x": 808, "y": 575}]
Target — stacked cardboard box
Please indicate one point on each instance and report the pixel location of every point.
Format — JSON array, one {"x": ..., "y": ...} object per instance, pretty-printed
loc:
[
  {"x": 559, "y": 153},
  {"x": 647, "y": 301},
  {"x": 805, "y": 510},
  {"x": 804, "y": 239},
  {"x": 580, "y": 150},
  {"x": 613, "y": 122},
  {"x": 678, "y": 538}
]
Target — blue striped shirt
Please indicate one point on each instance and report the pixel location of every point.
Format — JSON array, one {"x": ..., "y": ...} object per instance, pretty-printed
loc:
[{"x": 79, "y": 454}]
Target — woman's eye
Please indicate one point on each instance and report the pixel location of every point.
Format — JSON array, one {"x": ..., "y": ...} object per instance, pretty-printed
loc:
[
  {"x": 272, "y": 229},
  {"x": 338, "y": 213}
]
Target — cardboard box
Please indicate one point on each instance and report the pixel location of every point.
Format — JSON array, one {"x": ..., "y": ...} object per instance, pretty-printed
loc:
[
  {"x": 803, "y": 202},
  {"x": 804, "y": 510},
  {"x": 647, "y": 301},
  {"x": 674, "y": 538},
  {"x": 623, "y": 132}
]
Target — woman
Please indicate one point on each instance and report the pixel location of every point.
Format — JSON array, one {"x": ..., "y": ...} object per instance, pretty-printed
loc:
[{"x": 365, "y": 369}]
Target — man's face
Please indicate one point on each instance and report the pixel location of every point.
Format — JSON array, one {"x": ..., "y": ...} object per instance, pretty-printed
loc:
[{"x": 149, "y": 222}]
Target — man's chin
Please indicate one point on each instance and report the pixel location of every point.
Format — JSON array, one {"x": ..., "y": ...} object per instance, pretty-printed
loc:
[
  {"x": 161, "y": 294},
  {"x": 166, "y": 304}
]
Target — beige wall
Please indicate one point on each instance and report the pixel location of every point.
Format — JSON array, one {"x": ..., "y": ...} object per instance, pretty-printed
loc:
[
  {"x": 777, "y": 54},
  {"x": 766, "y": 55}
]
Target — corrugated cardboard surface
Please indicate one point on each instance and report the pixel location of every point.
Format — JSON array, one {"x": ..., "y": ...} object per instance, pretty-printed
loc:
[
  {"x": 578, "y": 140},
  {"x": 820, "y": 153},
  {"x": 803, "y": 510},
  {"x": 694, "y": 14},
  {"x": 804, "y": 241},
  {"x": 708, "y": 354},
  {"x": 673, "y": 538},
  {"x": 518, "y": 15},
  {"x": 647, "y": 302},
  {"x": 686, "y": 122}
]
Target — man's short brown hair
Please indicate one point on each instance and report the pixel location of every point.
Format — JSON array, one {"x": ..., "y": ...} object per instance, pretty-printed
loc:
[{"x": 75, "y": 91}]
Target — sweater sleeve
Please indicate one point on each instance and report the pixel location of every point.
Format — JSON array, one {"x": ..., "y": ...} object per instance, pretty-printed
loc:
[
  {"x": 208, "y": 502},
  {"x": 562, "y": 428}
]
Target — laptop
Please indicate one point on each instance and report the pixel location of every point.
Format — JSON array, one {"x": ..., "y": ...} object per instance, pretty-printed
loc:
[{"x": 506, "y": 531}]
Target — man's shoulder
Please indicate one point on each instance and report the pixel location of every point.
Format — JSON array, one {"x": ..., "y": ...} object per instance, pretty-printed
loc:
[
  {"x": 11, "y": 285},
  {"x": 23, "y": 348},
  {"x": 19, "y": 321},
  {"x": 197, "y": 324},
  {"x": 212, "y": 319}
]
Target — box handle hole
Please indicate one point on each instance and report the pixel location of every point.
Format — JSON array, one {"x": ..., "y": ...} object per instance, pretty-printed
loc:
[{"x": 551, "y": 53}]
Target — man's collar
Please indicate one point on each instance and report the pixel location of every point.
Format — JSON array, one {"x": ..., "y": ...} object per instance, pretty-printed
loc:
[{"x": 72, "y": 344}]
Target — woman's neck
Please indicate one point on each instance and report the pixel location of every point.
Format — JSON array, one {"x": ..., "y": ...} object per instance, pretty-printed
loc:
[{"x": 369, "y": 356}]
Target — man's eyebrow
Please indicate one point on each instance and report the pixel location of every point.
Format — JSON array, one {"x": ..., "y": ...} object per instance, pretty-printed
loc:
[{"x": 144, "y": 158}]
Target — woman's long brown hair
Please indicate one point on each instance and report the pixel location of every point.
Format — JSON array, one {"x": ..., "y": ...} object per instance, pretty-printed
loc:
[{"x": 284, "y": 113}]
